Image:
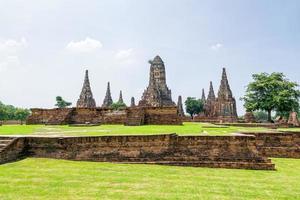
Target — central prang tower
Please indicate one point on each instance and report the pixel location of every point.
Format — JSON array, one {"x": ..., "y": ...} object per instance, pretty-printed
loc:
[
  {"x": 157, "y": 93},
  {"x": 86, "y": 99}
]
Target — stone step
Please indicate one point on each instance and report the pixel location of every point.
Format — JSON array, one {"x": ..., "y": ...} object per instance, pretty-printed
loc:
[
  {"x": 236, "y": 165},
  {"x": 6, "y": 138},
  {"x": 5, "y": 141}
]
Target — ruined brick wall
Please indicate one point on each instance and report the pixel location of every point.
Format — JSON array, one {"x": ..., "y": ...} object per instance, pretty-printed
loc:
[
  {"x": 84, "y": 115},
  {"x": 281, "y": 145},
  {"x": 49, "y": 116},
  {"x": 153, "y": 115},
  {"x": 135, "y": 116},
  {"x": 97, "y": 115},
  {"x": 76, "y": 116},
  {"x": 165, "y": 115},
  {"x": 14, "y": 151},
  {"x": 205, "y": 151},
  {"x": 219, "y": 119},
  {"x": 109, "y": 116},
  {"x": 248, "y": 152}
]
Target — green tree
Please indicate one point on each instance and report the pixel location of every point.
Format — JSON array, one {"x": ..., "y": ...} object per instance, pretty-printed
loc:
[
  {"x": 21, "y": 114},
  {"x": 118, "y": 105},
  {"x": 3, "y": 112},
  {"x": 9, "y": 112},
  {"x": 271, "y": 92},
  {"x": 261, "y": 116},
  {"x": 62, "y": 103},
  {"x": 193, "y": 106}
]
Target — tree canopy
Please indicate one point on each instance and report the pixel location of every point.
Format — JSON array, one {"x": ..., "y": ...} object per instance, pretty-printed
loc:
[
  {"x": 118, "y": 105},
  {"x": 9, "y": 112},
  {"x": 271, "y": 92},
  {"x": 61, "y": 103},
  {"x": 193, "y": 106},
  {"x": 261, "y": 116}
]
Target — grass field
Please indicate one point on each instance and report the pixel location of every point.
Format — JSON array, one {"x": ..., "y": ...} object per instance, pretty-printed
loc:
[
  {"x": 186, "y": 129},
  {"x": 59, "y": 179},
  {"x": 35, "y": 179}
]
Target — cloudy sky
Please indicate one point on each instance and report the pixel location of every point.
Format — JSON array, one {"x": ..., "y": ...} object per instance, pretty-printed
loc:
[{"x": 45, "y": 46}]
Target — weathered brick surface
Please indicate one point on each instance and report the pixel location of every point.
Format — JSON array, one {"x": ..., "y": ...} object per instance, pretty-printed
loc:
[
  {"x": 151, "y": 115},
  {"x": 49, "y": 116},
  {"x": 198, "y": 151},
  {"x": 278, "y": 144},
  {"x": 14, "y": 150},
  {"x": 86, "y": 99},
  {"x": 157, "y": 94},
  {"x": 164, "y": 116},
  {"x": 221, "y": 108}
]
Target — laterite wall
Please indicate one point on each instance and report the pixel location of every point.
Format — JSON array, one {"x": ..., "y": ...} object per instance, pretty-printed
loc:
[
  {"x": 278, "y": 144},
  {"x": 205, "y": 151},
  {"x": 151, "y": 115}
]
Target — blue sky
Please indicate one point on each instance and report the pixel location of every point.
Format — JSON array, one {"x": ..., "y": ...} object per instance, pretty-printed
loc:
[{"x": 45, "y": 46}]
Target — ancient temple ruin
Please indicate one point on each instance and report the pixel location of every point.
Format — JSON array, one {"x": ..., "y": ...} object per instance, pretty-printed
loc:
[
  {"x": 86, "y": 99},
  {"x": 180, "y": 107},
  {"x": 225, "y": 103},
  {"x": 210, "y": 102},
  {"x": 107, "y": 99},
  {"x": 158, "y": 110},
  {"x": 120, "y": 98},
  {"x": 157, "y": 93},
  {"x": 203, "y": 98},
  {"x": 132, "y": 102},
  {"x": 221, "y": 108}
]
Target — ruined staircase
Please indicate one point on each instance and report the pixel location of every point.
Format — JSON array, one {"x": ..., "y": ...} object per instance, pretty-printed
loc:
[
  {"x": 11, "y": 149},
  {"x": 135, "y": 117},
  {"x": 4, "y": 142}
]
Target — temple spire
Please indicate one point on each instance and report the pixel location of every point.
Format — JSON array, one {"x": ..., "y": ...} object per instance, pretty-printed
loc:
[
  {"x": 107, "y": 100},
  {"x": 224, "y": 90},
  {"x": 132, "y": 104},
  {"x": 86, "y": 99},
  {"x": 211, "y": 95},
  {"x": 203, "y": 98},
  {"x": 157, "y": 93},
  {"x": 180, "y": 107},
  {"x": 120, "y": 97}
]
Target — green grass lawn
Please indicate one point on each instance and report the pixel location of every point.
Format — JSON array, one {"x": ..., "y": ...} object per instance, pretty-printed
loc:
[
  {"x": 290, "y": 129},
  {"x": 59, "y": 179},
  {"x": 186, "y": 129}
]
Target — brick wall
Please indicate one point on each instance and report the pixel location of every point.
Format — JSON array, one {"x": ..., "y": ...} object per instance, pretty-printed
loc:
[
  {"x": 49, "y": 116},
  {"x": 278, "y": 144},
  {"x": 152, "y": 115},
  {"x": 14, "y": 151},
  {"x": 164, "y": 115},
  {"x": 198, "y": 151}
]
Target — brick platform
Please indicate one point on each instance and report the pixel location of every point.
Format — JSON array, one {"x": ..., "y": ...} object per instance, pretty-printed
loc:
[
  {"x": 198, "y": 151},
  {"x": 278, "y": 144},
  {"x": 127, "y": 116}
]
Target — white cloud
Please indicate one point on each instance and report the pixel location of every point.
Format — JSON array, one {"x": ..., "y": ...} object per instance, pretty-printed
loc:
[
  {"x": 9, "y": 63},
  {"x": 10, "y": 46},
  {"x": 124, "y": 54},
  {"x": 84, "y": 46},
  {"x": 216, "y": 46},
  {"x": 9, "y": 53}
]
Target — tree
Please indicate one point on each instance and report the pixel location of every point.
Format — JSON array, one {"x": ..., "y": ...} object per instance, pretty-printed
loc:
[
  {"x": 3, "y": 112},
  {"x": 261, "y": 116},
  {"x": 193, "y": 106},
  {"x": 21, "y": 114},
  {"x": 9, "y": 112},
  {"x": 271, "y": 92},
  {"x": 62, "y": 103},
  {"x": 118, "y": 105}
]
